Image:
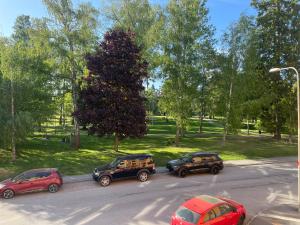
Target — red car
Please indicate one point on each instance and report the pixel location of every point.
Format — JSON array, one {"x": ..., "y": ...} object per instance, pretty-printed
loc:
[
  {"x": 209, "y": 210},
  {"x": 30, "y": 181}
]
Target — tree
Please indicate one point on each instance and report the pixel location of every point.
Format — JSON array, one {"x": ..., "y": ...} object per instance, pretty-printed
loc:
[
  {"x": 21, "y": 28},
  {"x": 110, "y": 101},
  {"x": 251, "y": 87},
  {"x": 207, "y": 64},
  {"x": 9, "y": 71},
  {"x": 186, "y": 32},
  {"x": 74, "y": 34},
  {"x": 146, "y": 21},
  {"x": 25, "y": 83},
  {"x": 230, "y": 81},
  {"x": 278, "y": 35},
  {"x": 152, "y": 96}
]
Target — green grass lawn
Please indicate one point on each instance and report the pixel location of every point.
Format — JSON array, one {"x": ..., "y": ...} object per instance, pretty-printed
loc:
[{"x": 36, "y": 152}]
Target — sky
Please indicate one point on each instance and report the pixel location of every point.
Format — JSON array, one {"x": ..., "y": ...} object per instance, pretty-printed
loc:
[{"x": 222, "y": 12}]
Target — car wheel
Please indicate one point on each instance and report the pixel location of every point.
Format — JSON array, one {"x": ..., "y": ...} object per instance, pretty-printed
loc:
[
  {"x": 104, "y": 181},
  {"x": 241, "y": 220},
  {"x": 7, "y": 194},
  {"x": 143, "y": 176},
  {"x": 52, "y": 188},
  {"x": 214, "y": 170},
  {"x": 182, "y": 173}
]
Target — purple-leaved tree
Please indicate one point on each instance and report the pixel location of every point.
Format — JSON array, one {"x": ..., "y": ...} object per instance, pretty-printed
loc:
[{"x": 110, "y": 99}]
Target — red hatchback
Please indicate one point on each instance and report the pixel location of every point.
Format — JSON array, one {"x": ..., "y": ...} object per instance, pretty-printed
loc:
[
  {"x": 31, "y": 181},
  {"x": 208, "y": 210}
]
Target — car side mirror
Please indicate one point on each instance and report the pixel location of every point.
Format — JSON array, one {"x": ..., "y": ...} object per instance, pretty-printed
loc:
[{"x": 234, "y": 209}]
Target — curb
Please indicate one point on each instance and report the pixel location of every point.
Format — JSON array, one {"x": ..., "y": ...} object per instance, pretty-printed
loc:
[
  {"x": 162, "y": 170},
  {"x": 258, "y": 163}
]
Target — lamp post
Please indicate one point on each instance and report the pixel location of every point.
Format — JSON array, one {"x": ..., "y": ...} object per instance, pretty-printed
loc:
[{"x": 273, "y": 70}]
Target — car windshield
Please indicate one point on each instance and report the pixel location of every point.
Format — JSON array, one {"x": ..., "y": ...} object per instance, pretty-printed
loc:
[
  {"x": 186, "y": 157},
  {"x": 19, "y": 177},
  {"x": 187, "y": 215},
  {"x": 115, "y": 162}
]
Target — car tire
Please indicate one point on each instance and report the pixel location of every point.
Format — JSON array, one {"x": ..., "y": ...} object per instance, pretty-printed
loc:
[
  {"x": 53, "y": 188},
  {"x": 241, "y": 220},
  {"x": 8, "y": 193},
  {"x": 104, "y": 181},
  {"x": 214, "y": 170},
  {"x": 143, "y": 176},
  {"x": 182, "y": 173}
]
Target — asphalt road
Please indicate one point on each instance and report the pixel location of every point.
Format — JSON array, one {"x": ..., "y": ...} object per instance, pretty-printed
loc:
[{"x": 151, "y": 203}]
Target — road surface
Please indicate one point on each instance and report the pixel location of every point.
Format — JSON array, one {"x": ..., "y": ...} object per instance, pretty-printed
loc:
[{"x": 153, "y": 202}]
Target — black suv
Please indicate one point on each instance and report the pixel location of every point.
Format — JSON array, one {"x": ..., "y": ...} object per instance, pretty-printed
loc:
[
  {"x": 139, "y": 165},
  {"x": 194, "y": 162}
]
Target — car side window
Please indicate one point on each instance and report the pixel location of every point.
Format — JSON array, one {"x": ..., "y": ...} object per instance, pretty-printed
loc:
[
  {"x": 217, "y": 211},
  {"x": 19, "y": 178},
  {"x": 208, "y": 158},
  {"x": 43, "y": 174},
  {"x": 30, "y": 176},
  {"x": 204, "y": 158},
  {"x": 149, "y": 161},
  {"x": 210, "y": 215},
  {"x": 135, "y": 163},
  {"x": 225, "y": 209},
  {"x": 197, "y": 159},
  {"x": 122, "y": 164}
]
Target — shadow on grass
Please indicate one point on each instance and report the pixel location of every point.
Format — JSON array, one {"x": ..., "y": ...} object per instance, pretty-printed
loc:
[{"x": 38, "y": 152}]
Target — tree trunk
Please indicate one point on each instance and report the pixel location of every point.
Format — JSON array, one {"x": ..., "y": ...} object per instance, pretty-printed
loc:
[
  {"x": 247, "y": 125},
  {"x": 290, "y": 127},
  {"x": 13, "y": 128},
  {"x": 63, "y": 116},
  {"x": 200, "y": 124},
  {"x": 60, "y": 114},
  {"x": 181, "y": 132},
  {"x": 227, "y": 113},
  {"x": 201, "y": 117},
  {"x": 76, "y": 124},
  {"x": 177, "y": 136},
  {"x": 75, "y": 97},
  {"x": 290, "y": 138},
  {"x": 224, "y": 136},
  {"x": 117, "y": 142},
  {"x": 277, "y": 133}
]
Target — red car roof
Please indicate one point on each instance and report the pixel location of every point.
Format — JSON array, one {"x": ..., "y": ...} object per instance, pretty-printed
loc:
[
  {"x": 41, "y": 170},
  {"x": 202, "y": 203}
]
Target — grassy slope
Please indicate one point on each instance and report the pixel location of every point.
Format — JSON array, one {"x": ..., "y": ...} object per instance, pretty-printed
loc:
[{"x": 36, "y": 152}]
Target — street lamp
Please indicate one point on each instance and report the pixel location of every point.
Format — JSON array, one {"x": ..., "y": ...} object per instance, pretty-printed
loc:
[{"x": 273, "y": 70}]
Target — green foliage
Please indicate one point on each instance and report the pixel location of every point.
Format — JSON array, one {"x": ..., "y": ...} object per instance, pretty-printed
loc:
[
  {"x": 73, "y": 35},
  {"x": 235, "y": 80},
  {"x": 176, "y": 105},
  {"x": 278, "y": 40},
  {"x": 145, "y": 20},
  {"x": 185, "y": 34},
  {"x": 25, "y": 82},
  {"x": 21, "y": 28},
  {"x": 152, "y": 96}
]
